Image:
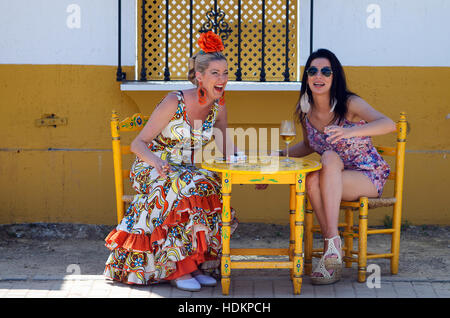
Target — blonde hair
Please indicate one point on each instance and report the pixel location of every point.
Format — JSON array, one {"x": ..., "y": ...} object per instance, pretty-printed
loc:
[{"x": 200, "y": 62}]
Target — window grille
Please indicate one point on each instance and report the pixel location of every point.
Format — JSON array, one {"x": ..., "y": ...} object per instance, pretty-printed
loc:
[{"x": 260, "y": 37}]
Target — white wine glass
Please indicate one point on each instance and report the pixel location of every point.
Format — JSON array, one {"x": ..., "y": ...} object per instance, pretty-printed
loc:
[{"x": 287, "y": 133}]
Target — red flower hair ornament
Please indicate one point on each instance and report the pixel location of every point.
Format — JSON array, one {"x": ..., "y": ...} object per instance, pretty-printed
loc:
[{"x": 210, "y": 42}]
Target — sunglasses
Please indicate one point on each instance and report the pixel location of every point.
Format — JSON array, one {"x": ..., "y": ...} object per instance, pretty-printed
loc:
[{"x": 326, "y": 71}]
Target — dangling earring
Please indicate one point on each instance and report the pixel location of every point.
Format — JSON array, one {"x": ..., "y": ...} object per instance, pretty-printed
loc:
[
  {"x": 334, "y": 105},
  {"x": 305, "y": 106},
  {"x": 201, "y": 93},
  {"x": 222, "y": 99}
]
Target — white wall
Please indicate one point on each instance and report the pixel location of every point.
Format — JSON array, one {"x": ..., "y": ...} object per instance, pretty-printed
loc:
[
  {"x": 410, "y": 32},
  {"x": 43, "y": 32}
]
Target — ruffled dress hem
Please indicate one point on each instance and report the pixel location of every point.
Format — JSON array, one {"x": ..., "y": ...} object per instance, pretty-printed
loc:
[{"x": 144, "y": 244}]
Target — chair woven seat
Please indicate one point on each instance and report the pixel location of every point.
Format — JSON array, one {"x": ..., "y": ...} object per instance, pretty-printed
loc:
[
  {"x": 373, "y": 203},
  {"x": 381, "y": 202}
]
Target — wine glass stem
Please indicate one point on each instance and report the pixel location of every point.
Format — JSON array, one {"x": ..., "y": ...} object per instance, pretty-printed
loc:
[{"x": 287, "y": 150}]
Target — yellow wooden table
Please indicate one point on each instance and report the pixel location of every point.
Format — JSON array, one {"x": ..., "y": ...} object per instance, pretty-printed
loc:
[{"x": 265, "y": 171}]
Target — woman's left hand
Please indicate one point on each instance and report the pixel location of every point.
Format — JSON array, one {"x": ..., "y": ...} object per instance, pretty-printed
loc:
[{"x": 336, "y": 133}]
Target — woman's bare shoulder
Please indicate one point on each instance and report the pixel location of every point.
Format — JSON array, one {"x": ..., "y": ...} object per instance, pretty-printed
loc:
[
  {"x": 356, "y": 105},
  {"x": 168, "y": 104}
]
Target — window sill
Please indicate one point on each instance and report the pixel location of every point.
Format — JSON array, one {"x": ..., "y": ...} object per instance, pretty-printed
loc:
[{"x": 231, "y": 86}]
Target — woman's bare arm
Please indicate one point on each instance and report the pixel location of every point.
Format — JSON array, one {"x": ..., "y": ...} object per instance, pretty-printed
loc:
[
  {"x": 223, "y": 140},
  {"x": 300, "y": 149},
  {"x": 159, "y": 119},
  {"x": 377, "y": 123}
]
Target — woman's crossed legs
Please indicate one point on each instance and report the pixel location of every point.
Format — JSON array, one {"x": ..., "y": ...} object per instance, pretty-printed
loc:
[{"x": 327, "y": 187}]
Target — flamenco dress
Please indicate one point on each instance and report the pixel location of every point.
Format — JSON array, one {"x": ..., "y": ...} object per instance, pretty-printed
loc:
[{"x": 173, "y": 225}]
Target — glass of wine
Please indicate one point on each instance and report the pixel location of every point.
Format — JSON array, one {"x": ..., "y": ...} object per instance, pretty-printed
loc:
[{"x": 287, "y": 133}]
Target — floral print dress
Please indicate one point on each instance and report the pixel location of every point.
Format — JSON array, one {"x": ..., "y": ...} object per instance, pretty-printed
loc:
[
  {"x": 357, "y": 153},
  {"x": 169, "y": 220}
]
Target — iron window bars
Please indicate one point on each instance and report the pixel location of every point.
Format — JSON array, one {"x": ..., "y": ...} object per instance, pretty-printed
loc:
[{"x": 260, "y": 38}]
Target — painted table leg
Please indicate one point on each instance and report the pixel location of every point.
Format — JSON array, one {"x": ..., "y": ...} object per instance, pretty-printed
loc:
[
  {"x": 226, "y": 233},
  {"x": 292, "y": 225},
  {"x": 299, "y": 217}
]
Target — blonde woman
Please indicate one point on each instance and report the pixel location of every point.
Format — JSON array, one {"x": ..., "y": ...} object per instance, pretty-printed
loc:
[{"x": 171, "y": 231}]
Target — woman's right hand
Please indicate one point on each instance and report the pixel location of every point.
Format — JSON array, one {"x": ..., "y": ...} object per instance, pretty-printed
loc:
[{"x": 162, "y": 167}]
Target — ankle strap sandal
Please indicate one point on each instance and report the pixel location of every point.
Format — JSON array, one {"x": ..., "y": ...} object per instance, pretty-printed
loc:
[
  {"x": 326, "y": 264},
  {"x": 333, "y": 262}
]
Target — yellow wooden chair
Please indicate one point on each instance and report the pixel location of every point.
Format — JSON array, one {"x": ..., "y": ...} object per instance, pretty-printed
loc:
[
  {"x": 130, "y": 124},
  {"x": 363, "y": 205}
]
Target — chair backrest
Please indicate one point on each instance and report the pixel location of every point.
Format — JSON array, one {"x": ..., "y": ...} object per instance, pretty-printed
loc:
[
  {"x": 397, "y": 172},
  {"x": 130, "y": 124}
]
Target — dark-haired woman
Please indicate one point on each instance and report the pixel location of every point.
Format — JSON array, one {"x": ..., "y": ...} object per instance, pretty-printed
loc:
[{"x": 338, "y": 125}]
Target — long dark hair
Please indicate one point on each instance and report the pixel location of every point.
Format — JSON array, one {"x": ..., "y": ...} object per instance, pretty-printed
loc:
[{"x": 338, "y": 90}]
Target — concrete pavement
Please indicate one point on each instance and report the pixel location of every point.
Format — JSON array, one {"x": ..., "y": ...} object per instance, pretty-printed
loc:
[{"x": 244, "y": 284}]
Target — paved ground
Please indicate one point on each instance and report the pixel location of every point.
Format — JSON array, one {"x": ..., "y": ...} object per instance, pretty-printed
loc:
[
  {"x": 262, "y": 292},
  {"x": 264, "y": 284},
  {"x": 71, "y": 268}
]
